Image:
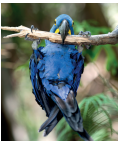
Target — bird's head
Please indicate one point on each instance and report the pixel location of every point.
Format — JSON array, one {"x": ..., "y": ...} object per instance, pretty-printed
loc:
[{"x": 63, "y": 25}]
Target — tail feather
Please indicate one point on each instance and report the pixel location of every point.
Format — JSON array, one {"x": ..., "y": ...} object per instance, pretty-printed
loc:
[
  {"x": 52, "y": 124},
  {"x": 50, "y": 127},
  {"x": 69, "y": 109},
  {"x": 85, "y": 136},
  {"x": 71, "y": 112},
  {"x": 52, "y": 116}
]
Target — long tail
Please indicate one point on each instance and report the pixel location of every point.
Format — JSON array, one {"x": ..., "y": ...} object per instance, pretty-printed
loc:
[{"x": 71, "y": 112}]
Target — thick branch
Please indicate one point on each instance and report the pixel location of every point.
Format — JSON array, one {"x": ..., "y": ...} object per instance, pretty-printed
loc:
[{"x": 102, "y": 39}]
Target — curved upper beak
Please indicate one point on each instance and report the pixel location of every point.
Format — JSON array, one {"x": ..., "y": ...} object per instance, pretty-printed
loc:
[{"x": 64, "y": 28}]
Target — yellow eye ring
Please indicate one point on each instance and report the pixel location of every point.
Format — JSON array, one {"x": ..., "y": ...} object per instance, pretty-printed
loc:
[
  {"x": 55, "y": 21},
  {"x": 72, "y": 23}
]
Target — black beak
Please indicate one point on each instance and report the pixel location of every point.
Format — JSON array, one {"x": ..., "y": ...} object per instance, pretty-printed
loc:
[{"x": 64, "y": 28}]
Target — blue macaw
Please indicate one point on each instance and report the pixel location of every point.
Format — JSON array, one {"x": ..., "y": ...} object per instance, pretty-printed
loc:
[{"x": 55, "y": 72}]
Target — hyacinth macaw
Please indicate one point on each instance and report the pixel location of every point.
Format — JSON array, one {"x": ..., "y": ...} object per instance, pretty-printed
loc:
[{"x": 55, "y": 72}]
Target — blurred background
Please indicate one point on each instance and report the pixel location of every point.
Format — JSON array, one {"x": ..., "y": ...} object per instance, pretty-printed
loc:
[{"x": 97, "y": 94}]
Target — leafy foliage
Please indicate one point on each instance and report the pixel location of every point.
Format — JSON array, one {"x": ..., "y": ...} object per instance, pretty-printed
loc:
[
  {"x": 91, "y": 25},
  {"x": 96, "y": 112}
]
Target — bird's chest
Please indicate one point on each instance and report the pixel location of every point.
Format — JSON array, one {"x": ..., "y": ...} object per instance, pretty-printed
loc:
[{"x": 58, "y": 65}]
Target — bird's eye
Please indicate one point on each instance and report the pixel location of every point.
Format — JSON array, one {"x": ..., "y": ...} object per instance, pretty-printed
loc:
[
  {"x": 72, "y": 23},
  {"x": 55, "y": 21}
]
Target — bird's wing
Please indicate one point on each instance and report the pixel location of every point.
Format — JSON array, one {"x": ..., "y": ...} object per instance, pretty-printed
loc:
[
  {"x": 78, "y": 70},
  {"x": 42, "y": 99}
]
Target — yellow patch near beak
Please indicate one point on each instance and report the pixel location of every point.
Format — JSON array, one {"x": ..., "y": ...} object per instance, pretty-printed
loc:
[
  {"x": 69, "y": 32},
  {"x": 57, "y": 31}
]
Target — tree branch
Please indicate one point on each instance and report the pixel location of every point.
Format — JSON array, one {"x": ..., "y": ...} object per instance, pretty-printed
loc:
[{"x": 102, "y": 39}]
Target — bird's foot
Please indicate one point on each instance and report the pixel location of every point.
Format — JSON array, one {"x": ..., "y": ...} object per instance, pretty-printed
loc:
[
  {"x": 85, "y": 34},
  {"x": 36, "y": 42},
  {"x": 33, "y": 28}
]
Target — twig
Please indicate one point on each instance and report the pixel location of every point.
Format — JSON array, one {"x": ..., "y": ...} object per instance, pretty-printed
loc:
[{"x": 102, "y": 39}]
